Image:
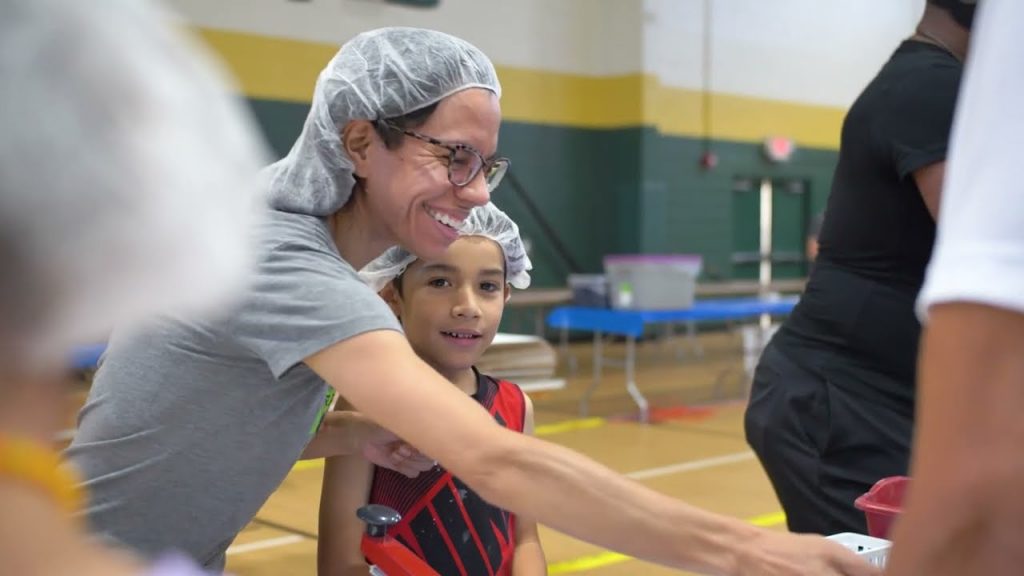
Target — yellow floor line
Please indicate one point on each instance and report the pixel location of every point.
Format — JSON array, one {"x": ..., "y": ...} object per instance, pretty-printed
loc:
[
  {"x": 308, "y": 465},
  {"x": 611, "y": 558},
  {"x": 569, "y": 426},
  {"x": 585, "y": 563},
  {"x": 768, "y": 520}
]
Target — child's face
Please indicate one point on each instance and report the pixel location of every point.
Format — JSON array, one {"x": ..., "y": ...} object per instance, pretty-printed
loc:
[{"x": 451, "y": 307}]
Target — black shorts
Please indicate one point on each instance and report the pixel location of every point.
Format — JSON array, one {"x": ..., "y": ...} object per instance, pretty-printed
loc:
[{"x": 822, "y": 436}]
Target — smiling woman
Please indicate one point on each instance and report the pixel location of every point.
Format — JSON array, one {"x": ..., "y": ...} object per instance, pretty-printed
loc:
[{"x": 341, "y": 197}]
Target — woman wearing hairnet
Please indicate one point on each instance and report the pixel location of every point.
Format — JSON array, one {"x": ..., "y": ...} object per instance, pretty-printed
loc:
[
  {"x": 115, "y": 134},
  {"x": 190, "y": 426}
]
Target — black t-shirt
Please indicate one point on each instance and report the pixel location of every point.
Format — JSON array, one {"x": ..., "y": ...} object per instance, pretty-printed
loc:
[{"x": 877, "y": 236}]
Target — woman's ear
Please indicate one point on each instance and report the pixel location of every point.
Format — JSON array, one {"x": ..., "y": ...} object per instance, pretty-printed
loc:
[{"x": 356, "y": 138}]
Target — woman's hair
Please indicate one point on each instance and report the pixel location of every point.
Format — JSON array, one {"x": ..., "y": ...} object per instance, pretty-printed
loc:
[{"x": 390, "y": 129}]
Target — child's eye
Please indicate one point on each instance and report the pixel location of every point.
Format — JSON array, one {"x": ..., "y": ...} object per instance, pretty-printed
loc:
[
  {"x": 439, "y": 283},
  {"x": 489, "y": 287}
]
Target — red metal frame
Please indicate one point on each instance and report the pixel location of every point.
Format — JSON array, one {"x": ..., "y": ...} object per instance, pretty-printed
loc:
[{"x": 393, "y": 558}]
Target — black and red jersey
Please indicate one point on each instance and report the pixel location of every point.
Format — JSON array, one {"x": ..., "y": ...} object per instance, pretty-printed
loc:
[{"x": 443, "y": 521}]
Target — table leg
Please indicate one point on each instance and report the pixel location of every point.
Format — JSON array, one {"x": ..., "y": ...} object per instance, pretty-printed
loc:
[
  {"x": 598, "y": 362},
  {"x": 666, "y": 335},
  {"x": 691, "y": 335},
  {"x": 631, "y": 387},
  {"x": 563, "y": 344},
  {"x": 631, "y": 384}
]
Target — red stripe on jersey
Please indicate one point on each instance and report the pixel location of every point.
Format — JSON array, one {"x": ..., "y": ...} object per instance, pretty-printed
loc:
[
  {"x": 476, "y": 534},
  {"x": 447, "y": 539}
]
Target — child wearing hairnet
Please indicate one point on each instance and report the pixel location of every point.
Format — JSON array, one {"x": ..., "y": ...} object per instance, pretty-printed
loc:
[{"x": 450, "y": 308}]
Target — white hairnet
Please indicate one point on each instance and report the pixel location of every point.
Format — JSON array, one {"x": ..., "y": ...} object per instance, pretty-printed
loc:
[
  {"x": 487, "y": 221},
  {"x": 379, "y": 74},
  {"x": 127, "y": 174}
]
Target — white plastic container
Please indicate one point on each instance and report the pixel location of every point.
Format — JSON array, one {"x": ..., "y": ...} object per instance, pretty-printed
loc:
[{"x": 874, "y": 550}]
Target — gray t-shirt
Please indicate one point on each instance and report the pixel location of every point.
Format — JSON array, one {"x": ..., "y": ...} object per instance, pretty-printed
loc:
[{"x": 189, "y": 426}]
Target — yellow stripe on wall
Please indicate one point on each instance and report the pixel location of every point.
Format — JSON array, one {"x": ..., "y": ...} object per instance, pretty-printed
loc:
[
  {"x": 282, "y": 69},
  {"x": 270, "y": 68},
  {"x": 570, "y": 99},
  {"x": 752, "y": 119},
  {"x": 677, "y": 111}
]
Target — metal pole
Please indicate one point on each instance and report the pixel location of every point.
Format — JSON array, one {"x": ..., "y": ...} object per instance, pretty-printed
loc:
[{"x": 765, "y": 273}]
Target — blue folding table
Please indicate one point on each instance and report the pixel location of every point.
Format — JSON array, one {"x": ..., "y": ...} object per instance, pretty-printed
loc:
[
  {"x": 87, "y": 357},
  {"x": 631, "y": 324}
]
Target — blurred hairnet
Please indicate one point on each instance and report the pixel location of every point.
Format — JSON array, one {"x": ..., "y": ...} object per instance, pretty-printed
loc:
[
  {"x": 127, "y": 173},
  {"x": 379, "y": 74},
  {"x": 487, "y": 221}
]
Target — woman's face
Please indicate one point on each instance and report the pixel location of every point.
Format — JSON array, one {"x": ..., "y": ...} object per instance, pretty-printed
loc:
[{"x": 407, "y": 188}]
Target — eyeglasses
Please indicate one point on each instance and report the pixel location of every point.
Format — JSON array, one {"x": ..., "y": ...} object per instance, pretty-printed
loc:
[{"x": 464, "y": 162}]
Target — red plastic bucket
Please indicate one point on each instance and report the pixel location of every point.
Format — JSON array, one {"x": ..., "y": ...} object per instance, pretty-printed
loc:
[{"x": 883, "y": 504}]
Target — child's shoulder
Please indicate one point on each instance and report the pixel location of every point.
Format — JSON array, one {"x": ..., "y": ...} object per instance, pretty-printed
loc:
[
  {"x": 499, "y": 383},
  {"x": 505, "y": 398}
]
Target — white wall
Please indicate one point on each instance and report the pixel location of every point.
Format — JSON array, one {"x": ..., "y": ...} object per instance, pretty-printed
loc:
[
  {"x": 551, "y": 35},
  {"x": 810, "y": 51}
]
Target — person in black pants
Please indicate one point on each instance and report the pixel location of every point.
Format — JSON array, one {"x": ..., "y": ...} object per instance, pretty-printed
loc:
[{"x": 832, "y": 406}]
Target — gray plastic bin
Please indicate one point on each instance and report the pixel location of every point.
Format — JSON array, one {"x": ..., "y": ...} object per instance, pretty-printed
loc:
[
  {"x": 590, "y": 290},
  {"x": 652, "y": 281}
]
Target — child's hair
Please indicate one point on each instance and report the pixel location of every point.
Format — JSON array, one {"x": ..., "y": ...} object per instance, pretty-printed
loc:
[{"x": 486, "y": 221}]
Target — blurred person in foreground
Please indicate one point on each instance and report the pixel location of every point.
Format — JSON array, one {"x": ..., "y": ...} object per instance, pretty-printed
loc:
[
  {"x": 127, "y": 188},
  {"x": 965, "y": 510}
]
